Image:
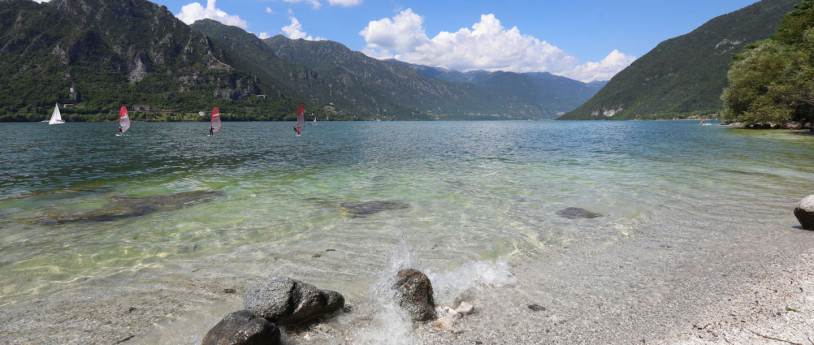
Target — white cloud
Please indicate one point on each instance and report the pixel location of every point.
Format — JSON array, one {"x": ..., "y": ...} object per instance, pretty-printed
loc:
[
  {"x": 263, "y": 35},
  {"x": 195, "y": 11},
  {"x": 404, "y": 33},
  {"x": 603, "y": 70},
  {"x": 487, "y": 46},
  {"x": 314, "y": 3},
  {"x": 294, "y": 31},
  {"x": 269, "y": 10},
  {"x": 344, "y": 3}
]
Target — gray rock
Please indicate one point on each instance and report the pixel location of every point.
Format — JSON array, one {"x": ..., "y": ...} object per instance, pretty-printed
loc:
[
  {"x": 576, "y": 212},
  {"x": 136, "y": 206},
  {"x": 288, "y": 302},
  {"x": 414, "y": 294},
  {"x": 805, "y": 212},
  {"x": 243, "y": 328},
  {"x": 365, "y": 208}
]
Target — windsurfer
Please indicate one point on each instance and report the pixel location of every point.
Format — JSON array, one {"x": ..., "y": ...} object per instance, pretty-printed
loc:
[
  {"x": 297, "y": 129},
  {"x": 120, "y": 130},
  {"x": 211, "y": 132}
]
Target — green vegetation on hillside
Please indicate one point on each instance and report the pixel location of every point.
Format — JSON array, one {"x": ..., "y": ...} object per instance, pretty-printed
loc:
[
  {"x": 346, "y": 85},
  {"x": 685, "y": 75},
  {"x": 98, "y": 55},
  {"x": 772, "y": 81}
]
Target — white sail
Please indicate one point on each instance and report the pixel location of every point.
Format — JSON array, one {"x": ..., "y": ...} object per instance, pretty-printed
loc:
[{"x": 56, "y": 118}]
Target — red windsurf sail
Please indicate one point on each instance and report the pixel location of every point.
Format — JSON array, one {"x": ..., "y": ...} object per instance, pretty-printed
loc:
[
  {"x": 124, "y": 119},
  {"x": 300, "y": 119},
  {"x": 215, "y": 121}
]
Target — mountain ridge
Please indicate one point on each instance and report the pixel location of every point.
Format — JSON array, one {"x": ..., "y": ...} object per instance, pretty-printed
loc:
[
  {"x": 686, "y": 74},
  {"x": 555, "y": 94},
  {"x": 100, "y": 55}
]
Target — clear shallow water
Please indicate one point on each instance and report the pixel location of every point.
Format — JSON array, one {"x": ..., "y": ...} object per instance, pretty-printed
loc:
[{"x": 477, "y": 192}]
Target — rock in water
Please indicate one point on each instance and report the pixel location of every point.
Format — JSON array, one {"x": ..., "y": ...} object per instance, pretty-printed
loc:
[
  {"x": 576, "y": 212},
  {"x": 136, "y": 206},
  {"x": 414, "y": 294},
  {"x": 805, "y": 212},
  {"x": 365, "y": 208},
  {"x": 243, "y": 328},
  {"x": 288, "y": 302}
]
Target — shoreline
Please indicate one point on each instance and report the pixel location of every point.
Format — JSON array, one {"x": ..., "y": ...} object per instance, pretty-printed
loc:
[{"x": 667, "y": 291}]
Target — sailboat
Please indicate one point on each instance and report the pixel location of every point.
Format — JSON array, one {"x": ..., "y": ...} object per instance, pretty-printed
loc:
[
  {"x": 56, "y": 118},
  {"x": 313, "y": 122},
  {"x": 300, "y": 120},
  {"x": 214, "y": 122},
  {"x": 124, "y": 121}
]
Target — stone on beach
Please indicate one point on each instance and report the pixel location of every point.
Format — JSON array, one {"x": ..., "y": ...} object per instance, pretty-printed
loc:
[
  {"x": 288, "y": 302},
  {"x": 366, "y": 208},
  {"x": 465, "y": 308},
  {"x": 414, "y": 294},
  {"x": 243, "y": 328},
  {"x": 805, "y": 212},
  {"x": 576, "y": 212}
]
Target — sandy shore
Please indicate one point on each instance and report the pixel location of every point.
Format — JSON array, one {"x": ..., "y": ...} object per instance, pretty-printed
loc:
[
  {"x": 752, "y": 289},
  {"x": 715, "y": 288},
  {"x": 668, "y": 291}
]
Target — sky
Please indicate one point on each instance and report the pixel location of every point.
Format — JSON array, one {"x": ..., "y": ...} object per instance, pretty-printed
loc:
[{"x": 585, "y": 40}]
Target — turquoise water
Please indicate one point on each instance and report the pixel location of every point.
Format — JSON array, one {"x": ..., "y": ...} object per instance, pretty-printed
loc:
[{"x": 475, "y": 191}]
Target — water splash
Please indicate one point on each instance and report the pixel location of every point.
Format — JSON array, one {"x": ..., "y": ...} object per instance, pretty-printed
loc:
[
  {"x": 390, "y": 325},
  {"x": 470, "y": 279}
]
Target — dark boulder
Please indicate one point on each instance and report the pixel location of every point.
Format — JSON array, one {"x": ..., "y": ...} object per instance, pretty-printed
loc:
[
  {"x": 414, "y": 294},
  {"x": 136, "y": 206},
  {"x": 243, "y": 328},
  {"x": 805, "y": 212},
  {"x": 365, "y": 208},
  {"x": 289, "y": 302},
  {"x": 576, "y": 212}
]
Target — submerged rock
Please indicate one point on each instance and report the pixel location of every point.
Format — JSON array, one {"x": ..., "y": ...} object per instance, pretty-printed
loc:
[
  {"x": 243, "y": 328},
  {"x": 136, "y": 206},
  {"x": 576, "y": 212},
  {"x": 414, "y": 294},
  {"x": 805, "y": 212},
  {"x": 364, "y": 208},
  {"x": 289, "y": 302}
]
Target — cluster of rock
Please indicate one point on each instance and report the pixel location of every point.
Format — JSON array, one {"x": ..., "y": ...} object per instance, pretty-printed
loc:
[
  {"x": 805, "y": 212},
  {"x": 269, "y": 305},
  {"x": 285, "y": 302},
  {"x": 787, "y": 125}
]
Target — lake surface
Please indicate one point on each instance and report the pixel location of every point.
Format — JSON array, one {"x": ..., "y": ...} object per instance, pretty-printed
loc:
[{"x": 479, "y": 197}]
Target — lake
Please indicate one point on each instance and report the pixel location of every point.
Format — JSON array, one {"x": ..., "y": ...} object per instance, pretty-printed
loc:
[{"x": 474, "y": 199}]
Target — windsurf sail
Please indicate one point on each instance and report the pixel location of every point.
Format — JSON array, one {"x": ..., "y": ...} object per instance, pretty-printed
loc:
[
  {"x": 214, "y": 123},
  {"x": 124, "y": 119},
  {"x": 56, "y": 118},
  {"x": 300, "y": 119}
]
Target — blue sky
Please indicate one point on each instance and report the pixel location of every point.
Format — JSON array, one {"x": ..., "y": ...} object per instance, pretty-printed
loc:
[{"x": 580, "y": 39}]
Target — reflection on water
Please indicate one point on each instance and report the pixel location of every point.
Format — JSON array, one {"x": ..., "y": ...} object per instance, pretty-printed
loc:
[{"x": 322, "y": 207}]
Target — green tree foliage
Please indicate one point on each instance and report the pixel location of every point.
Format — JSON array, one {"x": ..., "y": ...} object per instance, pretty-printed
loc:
[{"x": 771, "y": 81}]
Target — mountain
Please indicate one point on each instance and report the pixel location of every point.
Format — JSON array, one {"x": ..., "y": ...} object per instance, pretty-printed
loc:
[
  {"x": 555, "y": 94},
  {"x": 684, "y": 75},
  {"x": 100, "y": 55},
  {"x": 348, "y": 85}
]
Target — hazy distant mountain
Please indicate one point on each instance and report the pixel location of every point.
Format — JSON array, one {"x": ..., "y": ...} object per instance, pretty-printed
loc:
[
  {"x": 105, "y": 54},
  {"x": 685, "y": 74},
  {"x": 554, "y": 93},
  {"x": 354, "y": 86}
]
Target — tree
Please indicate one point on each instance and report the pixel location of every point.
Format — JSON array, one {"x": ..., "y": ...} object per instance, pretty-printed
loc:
[{"x": 772, "y": 81}]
